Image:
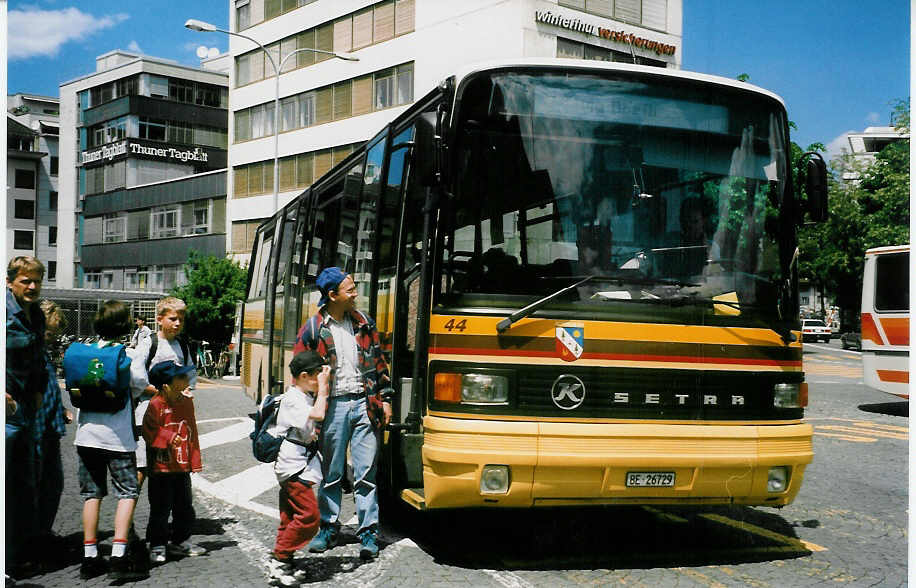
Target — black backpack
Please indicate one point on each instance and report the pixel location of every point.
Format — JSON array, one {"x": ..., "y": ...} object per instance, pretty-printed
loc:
[{"x": 265, "y": 443}]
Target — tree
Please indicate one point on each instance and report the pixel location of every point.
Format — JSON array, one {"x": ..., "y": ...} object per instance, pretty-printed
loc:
[
  {"x": 215, "y": 285},
  {"x": 870, "y": 213}
]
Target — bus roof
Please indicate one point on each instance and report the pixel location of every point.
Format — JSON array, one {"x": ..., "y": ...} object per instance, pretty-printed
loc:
[
  {"x": 586, "y": 64},
  {"x": 888, "y": 249}
]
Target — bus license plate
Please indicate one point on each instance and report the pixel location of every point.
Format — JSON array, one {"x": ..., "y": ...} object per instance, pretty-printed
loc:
[{"x": 650, "y": 479}]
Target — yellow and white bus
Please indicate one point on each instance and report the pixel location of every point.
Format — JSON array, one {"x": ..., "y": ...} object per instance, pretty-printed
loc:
[
  {"x": 886, "y": 319},
  {"x": 585, "y": 278}
]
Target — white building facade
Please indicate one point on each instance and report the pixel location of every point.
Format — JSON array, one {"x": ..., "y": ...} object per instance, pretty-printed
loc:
[
  {"x": 405, "y": 48},
  {"x": 32, "y": 173}
]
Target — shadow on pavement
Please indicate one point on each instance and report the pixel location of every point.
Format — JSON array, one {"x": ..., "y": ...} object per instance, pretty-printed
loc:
[
  {"x": 604, "y": 537},
  {"x": 901, "y": 408},
  {"x": 324, "y": 567}
]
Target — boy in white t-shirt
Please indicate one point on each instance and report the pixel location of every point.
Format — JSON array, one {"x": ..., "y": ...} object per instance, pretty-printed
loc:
[{"x": 298, "y": 465}]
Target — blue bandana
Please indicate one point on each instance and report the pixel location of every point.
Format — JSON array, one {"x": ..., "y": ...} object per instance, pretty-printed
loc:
[{"x": 329, "y": 279}]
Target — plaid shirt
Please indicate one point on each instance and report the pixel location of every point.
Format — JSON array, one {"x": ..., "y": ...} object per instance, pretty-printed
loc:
[
  {"x": 50, "y": 416},
  {"x": 316, "y": 335}
]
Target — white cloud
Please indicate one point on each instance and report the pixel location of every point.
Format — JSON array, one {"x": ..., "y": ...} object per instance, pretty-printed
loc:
[
  {"x": 36, "y": 32},
  {"x": 873, "y": 118},
  {"x": 836, "y": 147},
  {"x": 135, "y": 47}
]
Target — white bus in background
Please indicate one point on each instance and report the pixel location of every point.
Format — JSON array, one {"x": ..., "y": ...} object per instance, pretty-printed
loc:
[{"x": 886, "y": 319}]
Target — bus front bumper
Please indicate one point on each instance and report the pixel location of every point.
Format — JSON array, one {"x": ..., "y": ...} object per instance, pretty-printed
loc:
[{"x": 562, "y": 463}]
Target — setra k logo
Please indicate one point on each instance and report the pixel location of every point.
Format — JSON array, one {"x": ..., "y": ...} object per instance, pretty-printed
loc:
[{"x": 568, "y": 392}]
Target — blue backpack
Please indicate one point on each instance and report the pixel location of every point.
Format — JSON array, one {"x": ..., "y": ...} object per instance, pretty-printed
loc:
[
  {"x": 265, "y": 442},
  {"x": 97, "y": 378}
]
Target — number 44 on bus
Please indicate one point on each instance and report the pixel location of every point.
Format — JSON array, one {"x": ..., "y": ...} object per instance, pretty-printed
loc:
[{"x": 585, "y": 278}]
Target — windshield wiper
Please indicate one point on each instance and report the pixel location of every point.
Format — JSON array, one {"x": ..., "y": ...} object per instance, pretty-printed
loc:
[{"x": 518, "y": 315}]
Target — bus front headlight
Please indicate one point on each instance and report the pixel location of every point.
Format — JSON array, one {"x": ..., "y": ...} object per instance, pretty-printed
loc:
[
  {"x": 471, "y": 388},
  {"x": 790, "y": 395}
]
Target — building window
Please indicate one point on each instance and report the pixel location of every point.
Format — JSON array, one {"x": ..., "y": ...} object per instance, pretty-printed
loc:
[
  {"x": 54, "y": 165},
  {"x": 52, "y": 200},
  {"x": 114, "y": 228},
  {"x": 52, "y": 270},
  {"x": 92, "y": 280},
  {"x": 181, "y": 90},
  {"x": 24, "y": 209},
  {"x": 201, "y": 218},
  {"x": 164, "y": 222},
  {"x": 384, "y": 89},
  {"x": 242, "y": 14},
  {"x": 23, "y": 240},
  {"x": 25, "y": 178},
  {"x": 152, "y": 129},
  {"x": 52, "y": 236}
]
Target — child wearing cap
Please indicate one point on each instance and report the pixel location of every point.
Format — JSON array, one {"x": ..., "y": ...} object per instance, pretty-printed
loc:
[
  {"x": 173, "y": 452},
  {"x": 298, "y": 465}
]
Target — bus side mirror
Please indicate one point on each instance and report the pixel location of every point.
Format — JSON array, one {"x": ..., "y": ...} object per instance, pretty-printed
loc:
[
  {"x": 816, "y": 187},
  {"x": 427, "y": 148}
]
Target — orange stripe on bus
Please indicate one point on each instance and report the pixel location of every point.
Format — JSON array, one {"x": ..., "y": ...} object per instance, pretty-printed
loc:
[
  {"x": 870, "y": 329},
  {"x": 896, "y": 376},
  {"x": 897, "y": 330},
  {"x": 616, "y": 356}
]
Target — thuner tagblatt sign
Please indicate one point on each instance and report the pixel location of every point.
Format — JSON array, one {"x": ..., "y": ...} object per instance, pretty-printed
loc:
[{"x": 109, "y": 152}]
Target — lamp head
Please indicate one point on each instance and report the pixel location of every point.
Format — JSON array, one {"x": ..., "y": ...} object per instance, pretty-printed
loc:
[{"x": 199, "y": 25}]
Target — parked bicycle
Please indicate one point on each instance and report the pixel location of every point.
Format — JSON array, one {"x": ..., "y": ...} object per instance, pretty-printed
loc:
[{"x": 205, "y": 364}]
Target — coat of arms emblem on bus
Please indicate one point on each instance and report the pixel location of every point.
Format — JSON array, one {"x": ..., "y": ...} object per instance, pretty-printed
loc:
[{"x": 570, "y": 342}]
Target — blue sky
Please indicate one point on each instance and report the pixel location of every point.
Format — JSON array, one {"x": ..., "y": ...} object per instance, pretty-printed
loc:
[{"x": 838, "y": 64}]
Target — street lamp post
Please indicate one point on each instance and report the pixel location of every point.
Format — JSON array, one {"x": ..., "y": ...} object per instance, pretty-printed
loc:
[{"x": 201, "y": 26}]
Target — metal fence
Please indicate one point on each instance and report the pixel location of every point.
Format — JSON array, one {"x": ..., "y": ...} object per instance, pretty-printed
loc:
[{"x": 79, "y": 305}]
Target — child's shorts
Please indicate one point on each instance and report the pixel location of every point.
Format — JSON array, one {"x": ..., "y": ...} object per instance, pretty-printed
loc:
[{"x": 93, "y": 464}]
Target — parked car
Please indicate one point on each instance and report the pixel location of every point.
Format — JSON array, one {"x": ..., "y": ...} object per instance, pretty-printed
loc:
[
  {"x": 814, "y": 329},
  {"x": 851, "y": 340}
]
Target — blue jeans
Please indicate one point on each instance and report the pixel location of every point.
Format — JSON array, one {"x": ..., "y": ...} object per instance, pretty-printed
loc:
[
  {"x": 346, "y": 422},
  {"x": 21, "y": 501}
]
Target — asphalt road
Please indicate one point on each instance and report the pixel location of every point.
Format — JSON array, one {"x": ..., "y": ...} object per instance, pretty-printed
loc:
[{"x": 848, "y": 525}]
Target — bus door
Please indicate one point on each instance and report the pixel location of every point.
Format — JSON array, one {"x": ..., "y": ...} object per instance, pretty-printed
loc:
[
  {"x": 255, "y": 370},
  {"x": 286, "y": 293}
]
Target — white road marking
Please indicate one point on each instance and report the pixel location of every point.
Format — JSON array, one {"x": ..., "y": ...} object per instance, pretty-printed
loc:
[
  {"x": 223, "y": 420},
  {"x": 828, "y": 348},
  {"x": 228, "y": 434},
  {"x": 242, "y": 487}
]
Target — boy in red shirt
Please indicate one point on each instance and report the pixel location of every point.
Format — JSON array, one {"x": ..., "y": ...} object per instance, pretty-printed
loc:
[{"x": 170, "y": 431}]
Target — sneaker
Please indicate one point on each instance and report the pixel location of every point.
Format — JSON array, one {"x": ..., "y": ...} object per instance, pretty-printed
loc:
[
  {"x": 282, "y": 573},
  {"x": 121, "y": 569},
  {"x": 369, "y": 545},
  {"x": 325, "y": 539},
  {"x": 157, "y": 554},
  {"x": 92, "y": 567},
  {"x": 186, "y": 548}
]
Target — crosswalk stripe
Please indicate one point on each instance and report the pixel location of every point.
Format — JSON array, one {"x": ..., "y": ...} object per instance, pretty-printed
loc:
[{"x": 228, "y": 434}]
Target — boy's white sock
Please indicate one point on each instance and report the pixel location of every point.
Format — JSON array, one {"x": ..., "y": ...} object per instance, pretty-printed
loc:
[
  {"x": 118, "y": 547},
  {"x": 90, "y": 549}
]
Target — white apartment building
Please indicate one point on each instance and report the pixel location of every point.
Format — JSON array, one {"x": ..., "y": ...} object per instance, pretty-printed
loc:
[
  {"x": 32, "y": 168},
  {"x": 405, "y": 48},
  {"x": 866, "y": 145}
]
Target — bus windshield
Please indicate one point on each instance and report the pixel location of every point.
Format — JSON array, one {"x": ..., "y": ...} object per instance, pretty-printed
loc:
[{"x": 657, "y": 190}]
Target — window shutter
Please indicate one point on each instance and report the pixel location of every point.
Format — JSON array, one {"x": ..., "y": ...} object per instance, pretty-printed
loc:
[
  {"x": 628, "y": 10},
  {"x": 341, "y": 153},
  {"x": 323, "y": 106},
  {"x": 343, "y": 34},
  {"x": 239, "y": 240},
  {"x": 322, "y": 162},
  {"x": 306, "y": 40},
  {"x": 655, "y": 14},
  {"x": 577, "y": 4},
  {"x": 362, "y": 29},
  {"x": 187, "y": 218},
  {"x": 304, "y": 170},
  {"x": 287, "y": 173},
  {"x": 218, "y": 222},
  {"x": 343, "y": 95},
  {"x": 255, "y": 179},
  {"x": 404, "y": 16},
  {"x": 383, "y": 26},
  {"x": 600, "y": 7},
  {"x": 324, "y": 40},
  {"x": 92, "y": 230},
  {"x": 362, "y": 95}
]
